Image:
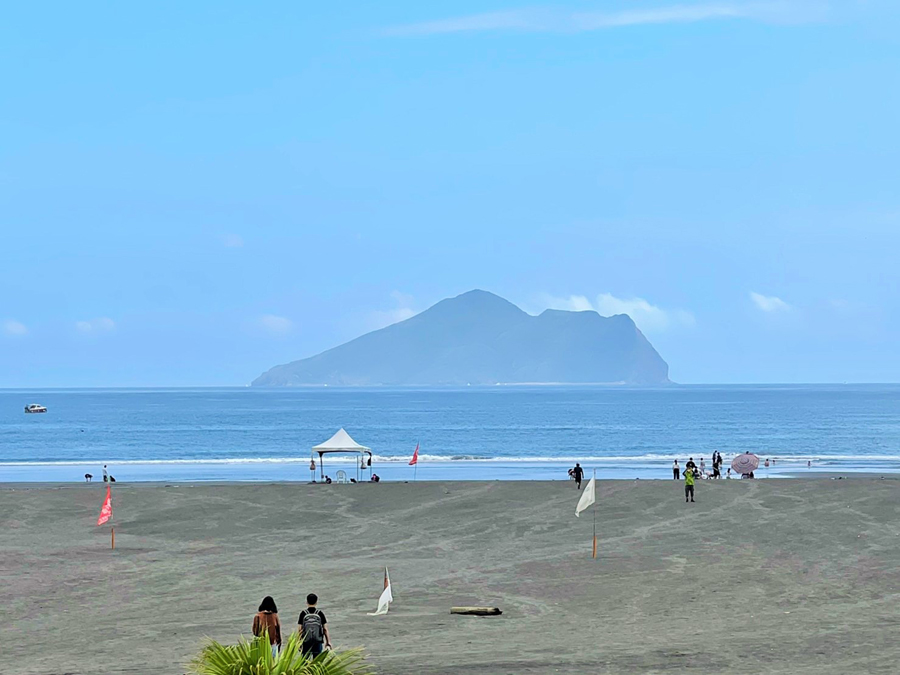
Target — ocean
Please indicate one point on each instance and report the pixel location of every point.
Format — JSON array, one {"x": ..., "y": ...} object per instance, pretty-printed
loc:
[{"x": 474, "y": 433}]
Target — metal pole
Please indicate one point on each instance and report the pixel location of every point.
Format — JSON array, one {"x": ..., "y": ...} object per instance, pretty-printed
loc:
[
  {"x": 594, "y": 510},
  {"x": 112, "y": 528}
]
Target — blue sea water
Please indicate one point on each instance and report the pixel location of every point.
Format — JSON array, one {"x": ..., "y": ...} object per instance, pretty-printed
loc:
[{"x": 471, "y": 433}]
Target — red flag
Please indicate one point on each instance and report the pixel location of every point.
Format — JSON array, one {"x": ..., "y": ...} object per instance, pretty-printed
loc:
[
  {"x": 415, "y": 459},
  {"x": 106, "y": 509}
]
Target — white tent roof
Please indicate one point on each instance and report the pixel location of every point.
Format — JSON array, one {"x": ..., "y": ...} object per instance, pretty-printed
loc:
[{"x": 340, "y": 442}]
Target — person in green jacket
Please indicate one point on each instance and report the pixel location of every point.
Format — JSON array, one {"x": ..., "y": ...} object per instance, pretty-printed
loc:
[{"x": 688, "y": 486}]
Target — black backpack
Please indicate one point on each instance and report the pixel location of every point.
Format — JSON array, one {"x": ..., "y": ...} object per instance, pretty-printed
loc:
[{"x": 313, "y": 629}]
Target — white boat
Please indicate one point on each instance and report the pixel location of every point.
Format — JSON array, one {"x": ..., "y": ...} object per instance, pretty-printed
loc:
[{"x": 35, "y": 408}]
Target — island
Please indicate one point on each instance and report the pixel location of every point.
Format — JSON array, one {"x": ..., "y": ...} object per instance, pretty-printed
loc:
[{"x": 479, "y": 338}]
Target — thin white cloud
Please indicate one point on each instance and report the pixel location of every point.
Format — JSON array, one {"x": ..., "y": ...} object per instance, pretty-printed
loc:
[
  {"x": 275, "y": 325},
  {"x": 14, "y": 328},
  {"x": 401, "y": 312},
  {"x": 94, "y": 326},
  {"x": 648, "y": 317},
  {"x": 555, "y": 20},
  {"x": 769, "y": 303},
  {"x": 232, "y": 240}
]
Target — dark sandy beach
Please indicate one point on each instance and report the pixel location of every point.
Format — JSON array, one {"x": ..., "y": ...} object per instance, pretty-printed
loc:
[{"x": 791, "y": 576}]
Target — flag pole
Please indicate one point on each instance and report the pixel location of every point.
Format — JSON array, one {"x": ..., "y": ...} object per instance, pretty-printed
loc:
[
  {"x": 112, "y": 528},
  {"x": 594, "y": 510}
]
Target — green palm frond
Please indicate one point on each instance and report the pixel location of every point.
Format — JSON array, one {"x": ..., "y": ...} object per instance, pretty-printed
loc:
[{"x": 254, "y": 657}]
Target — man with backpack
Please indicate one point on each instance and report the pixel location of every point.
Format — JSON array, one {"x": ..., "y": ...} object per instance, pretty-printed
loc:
[{"x": 313, "y": 627}]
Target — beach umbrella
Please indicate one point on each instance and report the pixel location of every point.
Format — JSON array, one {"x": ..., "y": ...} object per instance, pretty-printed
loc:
[{"x": 745, "y": 463}]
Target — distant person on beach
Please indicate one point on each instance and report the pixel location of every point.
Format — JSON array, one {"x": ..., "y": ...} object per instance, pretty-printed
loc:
[
  {"x": 767, "y": 464},
  {"x": 688, "y": 486},
  {"x": 702, "y": 466},
  {"x": 266, "y": 621},
  {"x": 87, "y": 478},
  {"x": 676, "y": 470},
  {"x": 579, "y": 474},
  {"x": 809, "y": 464},
  {"x": 328, "y": 479},
  {"x": 728, "y": 475},
  {"x": 716, "y": 471},
  {"x": 690, "y": 466},
  {"x": 105, "y": 474},
  {"x": 313, "y": 627}
]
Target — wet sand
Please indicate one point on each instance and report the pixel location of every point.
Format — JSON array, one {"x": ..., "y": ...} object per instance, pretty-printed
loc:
[{"x": 778, "y": 576}]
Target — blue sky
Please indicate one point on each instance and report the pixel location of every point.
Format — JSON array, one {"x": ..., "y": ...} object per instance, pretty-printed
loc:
[{"x": 193, "y": 192}]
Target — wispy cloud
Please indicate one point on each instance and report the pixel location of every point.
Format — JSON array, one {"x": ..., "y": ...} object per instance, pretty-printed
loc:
[
  {"x": 402, "y": 311},
  {"x": 275, "y": 325},
  {"x": 232, "y": 240},
  {"x": 556, "y": 20},
  {"x": 769, "y": 303},
  {"x": 94, "y": 326},
  {"x": 648, "y": 317},
  {"x": 14, "y": 328}
]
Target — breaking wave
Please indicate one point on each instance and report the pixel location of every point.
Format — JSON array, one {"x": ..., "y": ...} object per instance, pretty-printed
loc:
[{"x": 424, "y": 458}]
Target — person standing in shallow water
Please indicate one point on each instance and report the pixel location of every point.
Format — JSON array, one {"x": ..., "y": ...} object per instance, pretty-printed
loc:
[
  {"x": 578, "y": 474},
  {"x": 267, "y": 621}
]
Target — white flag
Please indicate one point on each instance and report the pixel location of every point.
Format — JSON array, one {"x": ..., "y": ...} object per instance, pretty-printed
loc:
[
  {"x": 384, "y": 602},
  {"x": 587, "y": 497}
]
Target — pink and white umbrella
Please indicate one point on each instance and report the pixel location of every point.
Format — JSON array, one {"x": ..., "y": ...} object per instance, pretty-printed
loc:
[{"x": 745, "y": 463}]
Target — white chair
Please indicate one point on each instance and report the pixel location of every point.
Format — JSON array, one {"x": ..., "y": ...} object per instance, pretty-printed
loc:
[{"x": 341, "y": 476}]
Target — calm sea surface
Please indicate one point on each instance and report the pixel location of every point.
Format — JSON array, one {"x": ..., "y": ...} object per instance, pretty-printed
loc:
[{"x": 489, "y": 433}]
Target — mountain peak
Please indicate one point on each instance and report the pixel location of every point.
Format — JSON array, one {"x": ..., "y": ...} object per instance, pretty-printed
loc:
[{"x": 480, "y": 338}]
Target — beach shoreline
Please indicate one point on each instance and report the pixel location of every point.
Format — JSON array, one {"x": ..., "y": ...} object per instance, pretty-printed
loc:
[
  {"x": 809, "y": 567},
  {"x": 295, "y": 471}
]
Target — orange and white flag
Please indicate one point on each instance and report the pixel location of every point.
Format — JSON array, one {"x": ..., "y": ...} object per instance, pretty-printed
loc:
[{"x": 106, "y": 509}]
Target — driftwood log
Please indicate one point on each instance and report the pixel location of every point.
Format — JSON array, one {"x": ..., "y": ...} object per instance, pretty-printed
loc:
[{"x": 476, "y": 611}]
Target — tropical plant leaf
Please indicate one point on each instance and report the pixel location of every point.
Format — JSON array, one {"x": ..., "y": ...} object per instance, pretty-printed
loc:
[{"x": 254, "y": 657}]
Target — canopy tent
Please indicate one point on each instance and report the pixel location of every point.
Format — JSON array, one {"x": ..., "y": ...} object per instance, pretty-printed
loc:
[{"x": 341, "y": 442}]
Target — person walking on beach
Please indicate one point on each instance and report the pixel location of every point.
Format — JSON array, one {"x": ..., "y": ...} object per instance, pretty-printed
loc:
[
  {"x": 676, "y": 471},
  {"x": 688, "y": 486},
  {"x": 579, "y": 474},
  {"x": 313, "y": 627},
  {"x": 267, "y": 621},
  {"x": 703, "y": 467},
  {"x": 105, "y": 474}
]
